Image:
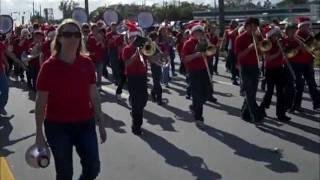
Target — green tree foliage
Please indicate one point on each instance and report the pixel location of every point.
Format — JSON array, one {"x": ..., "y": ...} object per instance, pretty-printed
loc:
[
  {"x": 285, "y": 3},
  {"x": 170, "y": 11}
]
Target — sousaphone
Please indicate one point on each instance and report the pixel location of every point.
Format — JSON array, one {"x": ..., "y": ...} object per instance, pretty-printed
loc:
[
  {"x": 145, "y": 19},
  {"x": 6, "y": 24},
  {"x": 80, "y": 15},
  {"x": 110, "y": 16}
]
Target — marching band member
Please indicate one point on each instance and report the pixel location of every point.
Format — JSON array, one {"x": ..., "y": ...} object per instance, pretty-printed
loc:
[
  {"x": 155, "y": 64},
  {"x": 249, "y": 70},
  {"x": 33, "y": 62},
  {"x": 95, "y": 46},
  {"x": 165, "y": 46},
  {"x": 196, "y": 67},
  {"x": 85, "y": 29},
  {"x": 304, "y": 67},
  {"x": 46, "y": 47},
  {"x": 275, "y": 74},
  {"x": 136, "y": 72},
  {"x": 213, "y": 39},
  {"x": 69, "y": 121},
  {"x": 20, "y": 46},
  {"x": 114, "y": 45},
  {"x": 232, "y": 34}
]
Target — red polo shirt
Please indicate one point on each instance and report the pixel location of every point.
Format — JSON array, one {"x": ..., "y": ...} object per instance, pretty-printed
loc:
[
  {"x": 2, "y": 65},
  {"x": 69, "y": 89},
  {"x": 274, "y": 63},
  {"x": 114, "y": 40},
  {"x": 189, "y": 48},
  {"x": 136, "y": 67},
  {"x": 242, "y": 42},
  {"x": 18, "y": 48},
  {"x": 304, "y": 55},
  {"x": 97, "y": 52}
]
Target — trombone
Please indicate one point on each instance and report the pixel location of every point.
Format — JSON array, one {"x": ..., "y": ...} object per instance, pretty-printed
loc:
[{"x": 285, "y": 57}]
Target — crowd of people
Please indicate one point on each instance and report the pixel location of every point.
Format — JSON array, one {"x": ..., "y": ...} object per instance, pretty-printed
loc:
[{"x": 64, "y": 64}]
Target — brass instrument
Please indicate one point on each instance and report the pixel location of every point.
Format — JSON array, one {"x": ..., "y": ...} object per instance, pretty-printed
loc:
[
  {"x": 285, "y": 57},
  {"x": 206, "y": 47},
  {"x": 265, "y": 45},
  {"x": 254, "y": 38},
  {"x": 309, "y": 44},
  {"x": 149, "y": 48},
  {"x": 292, "y": 53}
]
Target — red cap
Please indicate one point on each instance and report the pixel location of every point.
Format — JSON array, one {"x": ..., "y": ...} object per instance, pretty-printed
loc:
[{"x": 303, "y": 20}]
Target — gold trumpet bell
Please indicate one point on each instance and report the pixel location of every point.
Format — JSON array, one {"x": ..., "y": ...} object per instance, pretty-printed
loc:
[
  {"x": 292, "y": 53},
  {"x": 265, "y": 45},
  {"x": 211, "y": 50},
  {"x": 149, "y": 49}
]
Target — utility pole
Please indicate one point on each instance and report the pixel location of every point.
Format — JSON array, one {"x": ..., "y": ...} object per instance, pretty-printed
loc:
[
  {"x": 33, "y": 8},
  {"x": 221, "y": 17},
  {"x": 86, "y": 6}
]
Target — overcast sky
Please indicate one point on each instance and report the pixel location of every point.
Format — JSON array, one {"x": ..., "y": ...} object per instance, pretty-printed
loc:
[{"x": 9, "y": 6}]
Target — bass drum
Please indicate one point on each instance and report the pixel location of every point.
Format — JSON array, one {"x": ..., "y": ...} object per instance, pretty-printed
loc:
[
  {"x": 80, "y": 15},
  {"x": 110, "y": 16},
  {"x": 145, "y": 19},
  {"x": 6, "y": 24}
]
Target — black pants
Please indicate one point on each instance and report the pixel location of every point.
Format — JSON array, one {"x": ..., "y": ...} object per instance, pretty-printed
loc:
[
  {"x": 114, "y": 62},
  {"x": 216, "y": 62},
  {"x": 233, "y": 62},
  {"x": 250, "y": 78},
  {"x": 137, "y": 86},
  {"x": 63, "y": 137},
  {"x": 32, "y": 74},
  {"x": 188, "y": 84},
  {"x": 200, "y": 90},
  {"x": 123, "y": 78},
  {"x": 172, "y": 57},
  {"x": 156, "y": 77},
  {"x": 307, "y": 72},
  {"x": 275, "y": 77}
]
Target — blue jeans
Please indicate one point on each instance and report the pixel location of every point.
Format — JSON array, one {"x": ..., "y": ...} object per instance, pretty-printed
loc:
[
  {"x": 4, "y": 90},
  {"x": 61, "y": 139}
]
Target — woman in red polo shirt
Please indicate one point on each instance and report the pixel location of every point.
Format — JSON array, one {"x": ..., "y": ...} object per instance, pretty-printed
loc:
[{"x": 67, "y": 104}]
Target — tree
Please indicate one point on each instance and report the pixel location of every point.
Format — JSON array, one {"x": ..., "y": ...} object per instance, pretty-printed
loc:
[
  {"x": 67, "y": 7},
  {"x": 285, "y": 3}
]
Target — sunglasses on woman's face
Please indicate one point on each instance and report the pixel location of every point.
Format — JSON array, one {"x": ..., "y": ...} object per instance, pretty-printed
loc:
[{"x": 71, "y": 34}]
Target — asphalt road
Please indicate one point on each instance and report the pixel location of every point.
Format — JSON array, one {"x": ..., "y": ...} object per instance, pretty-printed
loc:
[{"x": 173, "y": 148}]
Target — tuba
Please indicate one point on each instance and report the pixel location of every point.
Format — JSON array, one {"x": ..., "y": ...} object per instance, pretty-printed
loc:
[
  {"x": 80, "y": 15},
  {"x": 110, "y": 16},
  {"x": 6, "y": 24}
]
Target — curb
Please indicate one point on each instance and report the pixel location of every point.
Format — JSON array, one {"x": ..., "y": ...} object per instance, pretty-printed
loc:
[{"x": 5, "y": 172}]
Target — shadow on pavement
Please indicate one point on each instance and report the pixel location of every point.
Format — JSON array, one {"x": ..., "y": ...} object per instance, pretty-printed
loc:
[
  {"x": 179, "y": 158},
  {"x": 166, "y": 123},
  {"x": 251, "y": 151},
  {"x": 5, "y": 131},
  {"x": 179, "y": 114},
  {"x": 308, "y": 129},
  {"x": 229, "y": 109},
  {"x": 305, "y": 143},
  {"x": 114, "y": 124}
]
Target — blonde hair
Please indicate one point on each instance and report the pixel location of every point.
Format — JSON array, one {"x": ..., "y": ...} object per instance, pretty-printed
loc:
[{"x": 56, "y": 45}]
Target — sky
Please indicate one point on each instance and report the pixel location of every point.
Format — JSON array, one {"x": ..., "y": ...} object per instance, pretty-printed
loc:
[{"x": 9, "y": 6}]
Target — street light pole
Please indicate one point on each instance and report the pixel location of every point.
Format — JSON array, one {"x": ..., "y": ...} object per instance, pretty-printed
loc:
[
  {"x": 221, "y": 17},
  {"x": 86, "y": 6}
]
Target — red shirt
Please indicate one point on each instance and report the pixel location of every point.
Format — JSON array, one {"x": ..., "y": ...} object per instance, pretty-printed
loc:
[
  {"x": 213, "y": 39},
  {"x": 189, "y": 48},
  {"x": 305, "y": 56},
  {"x": 97, "y": 52},
  {"x": 18, "y": 48},
  {"x": 274, "y": 63},
  {"x": 232, "y": 38},
  {"x": 114, "y": 40},
  {"x": 69, "y": 89},
  {"x": 242, "y": 43},
  {"x": 136, "y": 67},
  {"x": 2, "y": 65},
  {"x": 45, "y": 49}
]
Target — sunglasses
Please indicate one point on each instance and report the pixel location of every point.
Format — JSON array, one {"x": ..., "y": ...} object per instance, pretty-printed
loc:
[{"x": 71, "y": 34}]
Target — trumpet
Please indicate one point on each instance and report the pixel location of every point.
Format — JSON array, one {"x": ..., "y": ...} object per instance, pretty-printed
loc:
[{"x": 206, "y": 47}]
